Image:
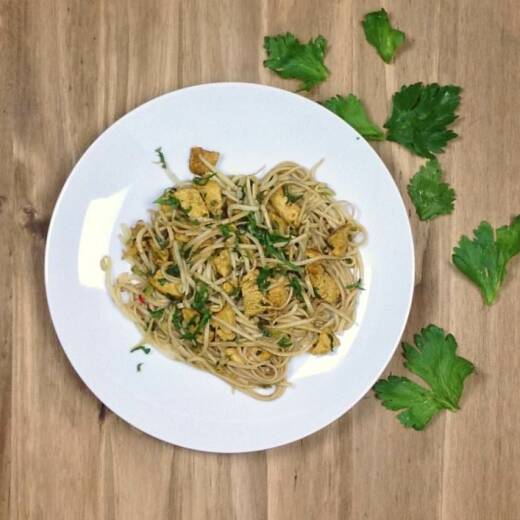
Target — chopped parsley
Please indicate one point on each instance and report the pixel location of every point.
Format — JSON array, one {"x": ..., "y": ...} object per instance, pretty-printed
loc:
[
  {"x": 434, "y": 360},
  {"x": 381, "y": 35},
  {"x": 291, "y": 197},
  {"x": 225, "y": 229},
  {"x": 284, "y": 342},
  {"x": 296, "y": 285},
  {"x": 202, "y": 181},
  {"x": 168, "y": 199},
  {"x": 162, "y": 158},
  {"x": 138, "y": 367},
  {"x": 291, "y": 59},
  {"x": 262, "y": 279},
  {"x": 146, "y": 350},
  {"x": 157, "y": 313},
  {"x": 173, "y": 270},
  {"x": 356, "y": 285}
]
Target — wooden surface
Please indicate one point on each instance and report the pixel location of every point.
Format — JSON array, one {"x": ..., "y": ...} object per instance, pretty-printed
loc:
[{"x": 71, "y": 68}]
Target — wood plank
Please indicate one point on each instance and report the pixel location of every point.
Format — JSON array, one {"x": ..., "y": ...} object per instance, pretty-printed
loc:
[{"x": 71, "y": 68}]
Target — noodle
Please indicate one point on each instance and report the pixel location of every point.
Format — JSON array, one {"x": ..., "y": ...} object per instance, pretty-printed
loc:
[{"x": 236, "y": 275}]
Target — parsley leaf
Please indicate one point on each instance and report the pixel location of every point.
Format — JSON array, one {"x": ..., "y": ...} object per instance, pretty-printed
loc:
[
  {"x": 434, "y": 360},
  {"x": 356, "y": 285},
  {"x": 156, "y": 314},
  {"x": 225, "y": 229},
  {"x": 202, "y": 181},
  {"x": 351, "y": 110},
  {"x": 168, "y": 199},
  {"x": 284, "y": 342},
  {"x": 162, "y": 158},
  {"x": 289, "y": 58},
  {"x": 146, "y": 350},
  {"x": 262, "y": 279},
  {"x": 296, "y": 285},
  {"x": 431, "y": 196},
  {"x": 484, "y": 259},
  {"x": 421, "y": 115},
  {"x": 381, "y": 35}
]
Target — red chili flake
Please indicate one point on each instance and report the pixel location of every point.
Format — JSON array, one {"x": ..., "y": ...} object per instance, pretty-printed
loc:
[{"x": 141, "y": 299}]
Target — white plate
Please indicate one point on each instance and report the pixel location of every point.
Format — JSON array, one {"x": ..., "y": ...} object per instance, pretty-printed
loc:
[{"x": 116, "y": 181}]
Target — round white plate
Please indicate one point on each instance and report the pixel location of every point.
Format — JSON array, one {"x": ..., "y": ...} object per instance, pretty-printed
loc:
[{"x": 116, "y": 181}]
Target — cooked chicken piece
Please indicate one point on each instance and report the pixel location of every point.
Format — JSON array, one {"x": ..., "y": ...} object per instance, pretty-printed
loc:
[
  {"x": 312, "y": 253},
  {"x": 166, "y": 287},
  {"x": 323, "y": 283},
  {"x": 228, "y": 287},
  {"x": 339, "y": 240},
  {"x": 232, "y": 353},
  {"x": 196, "y": 165},
  {"x": 188, "y": 314},
  {"x": 323, "y": 344},
  {"x": 192, "y": 202},
  {"x": 278, "y": 223},
  {"x": 251, "y": 294},
  {"x": 264, "y": 355},
  {"x": 212, "y": 195},
  {"x": 227, "y": 315},
  {"x": 181, "y": 237},
  {"x": 287, "y": 210},
  {"x": 278, "y": 295},
  {"x": 222, "y": 262}
]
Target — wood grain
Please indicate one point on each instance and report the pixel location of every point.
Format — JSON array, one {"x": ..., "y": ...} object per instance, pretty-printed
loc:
[{"x": 71, "y": 68}]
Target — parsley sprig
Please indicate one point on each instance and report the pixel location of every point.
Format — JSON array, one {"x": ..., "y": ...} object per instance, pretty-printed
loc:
[
  {"x": 289, "y": 58},
  {"x": 434, "y": 360}
]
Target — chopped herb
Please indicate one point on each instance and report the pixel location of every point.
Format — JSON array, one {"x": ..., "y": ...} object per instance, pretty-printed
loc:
[
  {"x": 173, "y": 270},
  {"x": 168, "y": 199},
  {"x": 356, "y": 285},
  {"x": 202, "y": 181},
  {"x": 421, "y": 115},
  {"x": 381, "y": 35},
  {"x": 289, "y": 58},
  {"x": 295, "y": 283},
  {"x": 201, "y": 298},
  {"x": 430, "y": 196},
  {"x": 162, "y": 158},
  {"x": 177, "y": 319},
  {"x": 146, "y": 350},
  {"x": 137, "y": 271},
  {"x": 434, "y": 360},
  {"x": 162, "y": 281},
  {"x": 284, "y": 342},
  {"x": 352, "y": 111},
  {"x": 157, "y": 313},
  {"x": 139, "y": 365},
  {"x": 265, "y": 332},
  {"x": 225, "y": 229},
  {"x": 289, "y": 196},
  {"x": 268, "y": 240},
  {"x": 263, "y": 278},
  {"x": 484, "y": 259},
  {"x": 148, "y": 290}
]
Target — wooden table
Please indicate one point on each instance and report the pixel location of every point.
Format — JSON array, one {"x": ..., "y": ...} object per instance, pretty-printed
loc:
[{"x": 71, "y": 68}]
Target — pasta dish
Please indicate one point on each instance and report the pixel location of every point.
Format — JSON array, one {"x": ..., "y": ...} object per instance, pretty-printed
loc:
[{"x": 237, "y": 274}]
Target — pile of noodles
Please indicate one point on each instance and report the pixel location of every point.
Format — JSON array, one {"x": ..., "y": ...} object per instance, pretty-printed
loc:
[{"x": 181, "y": 248}]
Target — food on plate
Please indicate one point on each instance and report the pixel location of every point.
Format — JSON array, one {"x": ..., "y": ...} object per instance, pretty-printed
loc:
[{"x": 237, "y": 274}]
